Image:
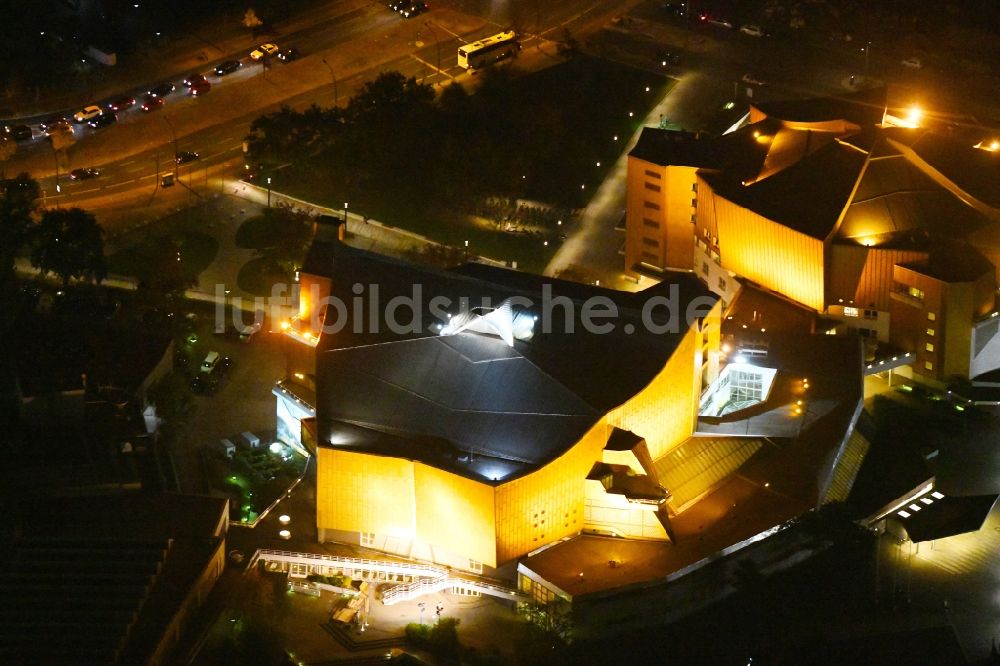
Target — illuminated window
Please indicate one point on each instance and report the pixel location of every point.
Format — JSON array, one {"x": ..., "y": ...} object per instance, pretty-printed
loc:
[
  {"x": 650, "y": 223},
  {"x": 851, "y": 312},
  {"x": 651, "y": 205},
  {"x": 368, "y": 539},
  {"x": 929, "y": 347},
  {"x": 475, "y": 566},
  {"x": 930, "y": 332},
  {"x": 928, "y": 365},
  {"x": 652, "y": 187},
  {"x": 652, "y": 174},
  {"x": 931, "y": 316},
  {"x": 915, "y": 293}
]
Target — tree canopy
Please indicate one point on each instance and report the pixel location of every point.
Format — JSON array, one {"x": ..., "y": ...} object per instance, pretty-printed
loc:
[{"x": 70, "y": 243}]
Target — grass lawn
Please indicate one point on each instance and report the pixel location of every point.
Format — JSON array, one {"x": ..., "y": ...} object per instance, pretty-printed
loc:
[
  {"x": 196, "y": 249},
  {"x": 592, "y": 98},
  {"x": 258, "y": 276}
]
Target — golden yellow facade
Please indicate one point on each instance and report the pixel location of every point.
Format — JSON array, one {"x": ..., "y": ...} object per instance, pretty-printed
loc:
[
  {"x": 664, "y": 412},
  {"x": 548, "y": 503},
  {"x": 770, "y": 254},
  {"x": 659, "y": 210},
  {"x": 442, "y": 514},
  {"x": 357, "y": 492},
  {"x": 455, "y": 513}
]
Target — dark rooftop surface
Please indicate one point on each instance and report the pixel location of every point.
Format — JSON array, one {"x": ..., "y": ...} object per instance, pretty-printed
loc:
[
  {"x": 807, "y": 196},
  {"x": 865, "y": 107},
  {"x": 676, "y": 148},
  {"x": 948, "y": 516},
  {"x": 54, "y": 351},
  {"x": 97, "y": 579},
  {"x": 471, "y": 393},
  {"x": 974, "y": 170},
  {"x": 952, "y": 262}
]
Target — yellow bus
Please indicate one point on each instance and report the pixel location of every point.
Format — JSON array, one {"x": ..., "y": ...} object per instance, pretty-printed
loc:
[{"x": 487, "y": 51}]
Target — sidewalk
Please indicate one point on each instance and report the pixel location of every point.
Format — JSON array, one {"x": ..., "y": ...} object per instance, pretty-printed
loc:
[{"x": 594, "y": 245}]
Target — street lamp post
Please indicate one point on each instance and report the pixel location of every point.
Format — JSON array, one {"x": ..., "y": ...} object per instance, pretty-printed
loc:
[
  {"x": 173, "y": 133},
  {"x": 437, "y": 43},
  {"x": 868, "y": 46},
  {"x": 336, "y": 94}
]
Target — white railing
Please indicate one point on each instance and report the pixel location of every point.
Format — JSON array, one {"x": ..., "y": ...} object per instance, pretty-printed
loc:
[{"x": 430, "y": 578}]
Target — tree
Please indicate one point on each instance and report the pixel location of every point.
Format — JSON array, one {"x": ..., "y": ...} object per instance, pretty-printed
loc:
[
  {"x": 8, "y": 148},
  {"x": 69, "y": 242},
  {"x": 163, "y": 280},
  {"x": 251, "y": 21},
  {"x": 281, "y": 235},
  {"x": 18, "y": 208}
]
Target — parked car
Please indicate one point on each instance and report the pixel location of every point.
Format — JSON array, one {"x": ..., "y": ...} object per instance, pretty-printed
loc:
[
  {"x": 122, "y": 104},
  {"x": 161, "y": 90},
  {"x": 84, "y": 174},
  {"x": 185, "y": 156},
  {"x": 263, "y": 51},
  {"x": 227, "y": 67},
  {"x": 192, "y": 79},
  {"x": 57, "y": 127},
  {"x": 167, "y": 180},
  {"x": 152, "y": 104},
  {"x": 211, "y": 360},
  {"x": 721, "y": 22},
  {"x": 752, "y": 30},
  {"x": 200, "y": 88},
  {"x": 913, "y": 63},
  {"x": 87, "y": 113},
  {"x": 749, "y": 78},
  {"x": 103, "y": 120},
  {"x": 289, "y": 54},
  {"x": 18, "y": 132}
]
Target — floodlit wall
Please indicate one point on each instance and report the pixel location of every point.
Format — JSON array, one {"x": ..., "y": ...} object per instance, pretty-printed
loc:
[
  {"x": 613, "y": 514},
  {"x": 358, "y": 492},
  {"x": 547, "y": 504},
  {"x": 663, "y": 413},
  {"x": 766, "y": 252},
  {"x": 658, "y": 225},
  {"x": 455, "y": 513},
  {"x": 864, "y": 274}
]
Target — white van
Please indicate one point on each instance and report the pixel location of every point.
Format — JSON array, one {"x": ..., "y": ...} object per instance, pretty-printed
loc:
[{"x": 210, "y": 362}]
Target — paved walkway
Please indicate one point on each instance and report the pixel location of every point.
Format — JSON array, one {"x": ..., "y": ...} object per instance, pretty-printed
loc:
[{"x": 594, "y": 248}]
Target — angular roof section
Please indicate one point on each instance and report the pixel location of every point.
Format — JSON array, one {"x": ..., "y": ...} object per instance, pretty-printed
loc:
[
  {"x": 975, "y": 171},
  {"x": 895, "y": 199},
  {"x": 865, "y": 107},
  {"x": 470, "y": 393},
  {"x": 807, "y": 196}
]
